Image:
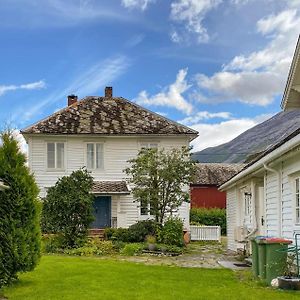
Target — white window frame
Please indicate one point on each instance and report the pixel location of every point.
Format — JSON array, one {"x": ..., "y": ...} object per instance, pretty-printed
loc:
[
  {"x": 296, "y": 198},
  {"x": 247, "y": 203},
  {"x": 94, "y": 167},
  {"x": 55, "y": 156},
  {"x": 149, "y": 145}
]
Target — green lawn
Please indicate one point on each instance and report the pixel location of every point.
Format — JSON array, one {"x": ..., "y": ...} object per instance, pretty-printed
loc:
[{"x": 62, "y": 277}]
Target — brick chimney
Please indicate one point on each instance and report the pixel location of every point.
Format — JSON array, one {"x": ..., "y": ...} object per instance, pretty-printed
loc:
[
  {"x": 108, "y": 92},
  {"x": 72, "y": 99}
]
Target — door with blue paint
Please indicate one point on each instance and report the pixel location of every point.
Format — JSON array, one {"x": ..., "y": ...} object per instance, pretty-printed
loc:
[{"x": 102, "y": 212}]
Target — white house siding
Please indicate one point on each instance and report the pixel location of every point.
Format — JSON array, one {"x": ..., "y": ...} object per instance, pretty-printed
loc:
[
  {"x": 279, "y": 200},
  {"x": 231, "y": 211},
  {"x": 272, "y": 203},
  {"x": 117, "y": 151}
]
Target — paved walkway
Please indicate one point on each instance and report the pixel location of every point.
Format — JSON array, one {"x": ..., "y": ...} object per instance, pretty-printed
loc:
[{"x": 198, "y": 255}]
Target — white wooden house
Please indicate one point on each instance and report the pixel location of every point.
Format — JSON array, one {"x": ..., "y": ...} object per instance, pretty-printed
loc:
[
  {"x": 102, "y": 134},
  {"x": 263, "y": 198}
]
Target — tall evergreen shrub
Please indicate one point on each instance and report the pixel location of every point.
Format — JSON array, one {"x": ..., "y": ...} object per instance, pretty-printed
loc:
[
  {"x": 19, "y": 212},
  {"x": 68, "y": 208}
]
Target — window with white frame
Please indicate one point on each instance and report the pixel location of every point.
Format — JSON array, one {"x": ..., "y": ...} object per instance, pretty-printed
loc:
[
  {"x": 95, "y": 156},
  {"x": 146, "y": 209},
  {"x": 297, "y": 200},
  {"x": 247, "y": 199},
  {"x": 55, "y": 155},
  {"x": 149, "y": 145}
]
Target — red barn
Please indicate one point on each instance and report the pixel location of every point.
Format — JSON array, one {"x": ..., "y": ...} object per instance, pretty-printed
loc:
[{"x": 209, "y": 176}]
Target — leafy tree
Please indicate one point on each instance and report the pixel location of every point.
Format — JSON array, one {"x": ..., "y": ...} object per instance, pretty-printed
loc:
[
  {"x": 159, "y": 178},
  {"x": 19, "y": 212},
  {"x": 67, "y": 208}
]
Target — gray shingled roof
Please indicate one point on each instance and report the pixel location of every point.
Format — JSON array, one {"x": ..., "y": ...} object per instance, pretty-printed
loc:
[
  {"x": 110, "y": 187},
  {"x": 107, "y": 116},
  {"x": 215, "y": 173}
]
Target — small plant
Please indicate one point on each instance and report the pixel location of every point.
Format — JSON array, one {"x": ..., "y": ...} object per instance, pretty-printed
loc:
[
  {"x": 132, "y": 249},
  {"x": 150, "y": 239}
]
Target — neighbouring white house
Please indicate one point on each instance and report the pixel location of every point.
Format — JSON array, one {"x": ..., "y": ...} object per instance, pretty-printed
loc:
[
  {"x": 102, "y": 134},
  {"x": 263, "y": 198}
]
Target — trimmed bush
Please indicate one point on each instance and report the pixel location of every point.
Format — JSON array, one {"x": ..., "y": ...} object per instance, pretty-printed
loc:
[
  {"x": 140, "y": 230},
  {"x": 136, "y": 233},
  {"x": 209, "y": 216},
  {"x": 68, "y": 209},
  {"x": 19, "y": 213},
  {"x": 172, "y": 232}
]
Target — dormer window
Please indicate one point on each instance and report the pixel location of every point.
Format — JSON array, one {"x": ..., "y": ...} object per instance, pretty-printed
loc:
[
  {"x": 95, "y": 157},
  {"x": 55, "y": 155}
]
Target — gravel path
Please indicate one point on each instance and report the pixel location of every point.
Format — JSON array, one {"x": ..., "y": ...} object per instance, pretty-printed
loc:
[{"x": 198, "y": 255}]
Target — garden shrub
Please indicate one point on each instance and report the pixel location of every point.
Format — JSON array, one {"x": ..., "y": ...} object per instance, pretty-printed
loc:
[
  {"x": 172, "y": 232},
  {"x": 209, "y": 216},
  {"x": 20, "y": 237},
  {"x": 68, "y": 209},
  {"x": 139, "y": 230},
  {"x": 121, "y": 234},
  {"x": 52, "y": 243},
  {"x": 93, "y": 247},
  {"x": 132, "y": 249},
  {"x": 109, "y": 232}
]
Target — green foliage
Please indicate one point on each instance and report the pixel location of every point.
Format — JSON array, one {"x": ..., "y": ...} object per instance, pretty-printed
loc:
[
  {"x": 159, "y": 176},
  {"x": 169, "y": 249},
  {"x": 172, "y": 232},
  {"x": 19, "y": 212},
  {"x": 209, "y": 216},
  {"x": 139, "y": 230},
  {"x": 136, "y": 233},
  {"x": 52, "y": 243},
  {"x": 68, "y": 208},
  {"x": 132, "y": 249}
]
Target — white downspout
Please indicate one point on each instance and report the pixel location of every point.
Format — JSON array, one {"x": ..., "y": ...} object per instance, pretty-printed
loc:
[{"x": 279, "y": 196}]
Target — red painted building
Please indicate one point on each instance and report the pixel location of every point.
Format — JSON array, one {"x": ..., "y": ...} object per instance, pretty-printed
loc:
[{"x": 209, "y": 176}]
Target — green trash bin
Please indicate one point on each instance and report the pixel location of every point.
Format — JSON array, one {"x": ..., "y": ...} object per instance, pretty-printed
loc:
[
  {"x": 276, "y": 257},
  {"x": 261, "y": 249},
  {"x": 254, "y": 254}
]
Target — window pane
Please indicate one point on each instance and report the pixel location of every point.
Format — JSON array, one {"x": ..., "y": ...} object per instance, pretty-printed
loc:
[
  {"x": 297, "y": 185},
  {"x": 144, "y": 208},
  {"x": 153, "y": 146},
  {"x": 90, "y": 156},
  {"x": 60, "y": 155},
  {"x": 297, "y": 215},
  {"x": 99, "y": 156},
  {"x": 51, "y": 155},
  {"x": 297, "y": 200}
]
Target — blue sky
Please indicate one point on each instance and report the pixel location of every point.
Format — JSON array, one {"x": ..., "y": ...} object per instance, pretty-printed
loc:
[{"x": 218, "y": 66}]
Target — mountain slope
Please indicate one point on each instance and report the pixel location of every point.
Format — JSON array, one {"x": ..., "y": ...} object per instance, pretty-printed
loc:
[{"x": 254, "y": 140}]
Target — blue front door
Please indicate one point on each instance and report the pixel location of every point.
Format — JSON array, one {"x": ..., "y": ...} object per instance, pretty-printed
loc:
[{"x": 102, "y": 212}]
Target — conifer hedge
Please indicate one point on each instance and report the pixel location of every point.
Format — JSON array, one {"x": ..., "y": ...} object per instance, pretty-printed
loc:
[{"x": 19, "y": 213}]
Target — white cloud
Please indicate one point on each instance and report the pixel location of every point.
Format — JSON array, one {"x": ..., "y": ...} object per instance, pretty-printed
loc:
[
  {"x": 211, "y": 135},
  {"x": 260, "y": 76},
  {"x": 191, "y": 13},
  {"x": 171, "y": 96},
  {"x": 86, "y": 83},
  {"x": 28, "y": 86},
  {"x": 138, "y": 4},
  {"x": 205, "y": 115}
]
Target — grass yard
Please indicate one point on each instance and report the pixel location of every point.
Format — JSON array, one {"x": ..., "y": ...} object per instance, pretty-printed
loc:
[{"x": 65, "y": 277}]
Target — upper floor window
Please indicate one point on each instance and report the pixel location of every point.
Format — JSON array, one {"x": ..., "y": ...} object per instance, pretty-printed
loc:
[
  {"x": 95, "y": 156},
  {"x": 55, "y": 155},
  {"x": 149, "y": 145},
  {"x": 297, "y": 200}
]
